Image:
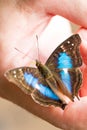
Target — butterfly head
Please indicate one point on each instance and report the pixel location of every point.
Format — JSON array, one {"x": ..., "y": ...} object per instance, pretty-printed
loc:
[
  {"x": 40, "y": 66},
  {"x": 38, "y": 63}
]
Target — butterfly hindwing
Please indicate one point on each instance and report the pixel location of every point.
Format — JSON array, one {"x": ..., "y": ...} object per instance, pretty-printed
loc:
[{"x": 71, "y": 79}]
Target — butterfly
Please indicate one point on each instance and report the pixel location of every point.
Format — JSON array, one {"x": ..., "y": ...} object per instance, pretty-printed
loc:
[{"x": 58, "y": 81}]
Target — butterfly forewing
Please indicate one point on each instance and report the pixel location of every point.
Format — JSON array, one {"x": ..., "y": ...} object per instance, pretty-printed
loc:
[
  {"x": 32, "y": 82},
  {"x": 66, "y": 55},
  {"x": 16, "y": 76}
]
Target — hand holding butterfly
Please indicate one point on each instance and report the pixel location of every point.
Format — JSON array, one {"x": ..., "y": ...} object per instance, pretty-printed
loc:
[{"x": 26, "y": 20}]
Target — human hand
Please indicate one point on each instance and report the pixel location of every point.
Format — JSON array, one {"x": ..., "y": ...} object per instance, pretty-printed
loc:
[{"x": 19, "y": 30}]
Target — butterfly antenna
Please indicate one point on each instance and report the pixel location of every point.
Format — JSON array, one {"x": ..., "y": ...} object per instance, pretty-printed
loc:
[
  {"x": 33, "y": 62},
  {"x": 18, "y": 50},
  {"x": 38, "y": 54}
]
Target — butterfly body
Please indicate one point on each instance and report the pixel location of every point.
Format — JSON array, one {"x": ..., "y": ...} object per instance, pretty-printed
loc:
[{"x": 58, "y": 81}]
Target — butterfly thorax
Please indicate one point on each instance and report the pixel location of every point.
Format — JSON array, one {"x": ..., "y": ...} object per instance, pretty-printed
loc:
[{"x": 44, "y": 70}]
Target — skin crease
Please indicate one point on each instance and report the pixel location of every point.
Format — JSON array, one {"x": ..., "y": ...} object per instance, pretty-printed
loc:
[{"x": 19, "y": 24}]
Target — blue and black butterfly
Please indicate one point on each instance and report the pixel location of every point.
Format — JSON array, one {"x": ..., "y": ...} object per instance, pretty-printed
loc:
[{"x": 58, "y": 81}]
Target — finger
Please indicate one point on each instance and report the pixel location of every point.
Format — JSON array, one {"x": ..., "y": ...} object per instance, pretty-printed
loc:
[
  {"x": 75, "y": 11},
  {"x": 83, "y": 34},
  {"x": 56, "y": 32},
  {"x": 75, "y": 115}
]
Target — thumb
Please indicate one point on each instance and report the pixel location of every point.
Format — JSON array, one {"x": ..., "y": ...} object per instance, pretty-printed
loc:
[
  {"x": 75, "y": 11},
  {"x": 83, "y": 33}
]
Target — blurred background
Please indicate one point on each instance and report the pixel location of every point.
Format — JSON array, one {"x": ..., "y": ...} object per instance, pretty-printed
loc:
[{"x": 13, "y": 117}]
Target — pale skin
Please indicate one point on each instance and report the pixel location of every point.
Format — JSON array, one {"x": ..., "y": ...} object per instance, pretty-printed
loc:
[{"x": 20, "y": 21}]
